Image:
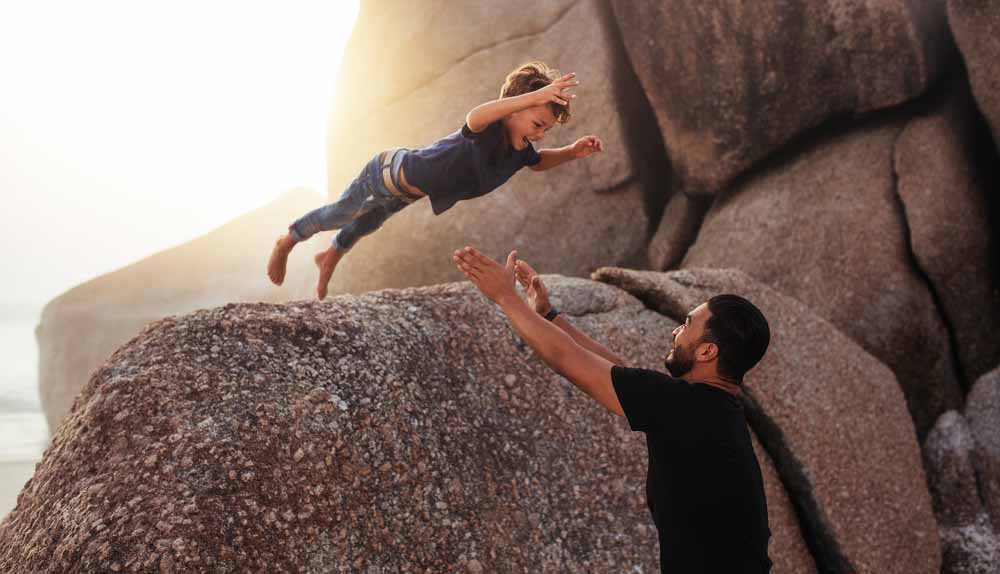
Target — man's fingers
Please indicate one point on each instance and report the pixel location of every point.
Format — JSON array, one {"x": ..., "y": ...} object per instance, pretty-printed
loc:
[{"x": 511, "y": 260}]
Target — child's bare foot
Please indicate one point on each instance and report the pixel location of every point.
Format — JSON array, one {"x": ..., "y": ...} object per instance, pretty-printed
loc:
[
  {"x": 279, "y": 258},
  {"x": 327, "y": 262}
]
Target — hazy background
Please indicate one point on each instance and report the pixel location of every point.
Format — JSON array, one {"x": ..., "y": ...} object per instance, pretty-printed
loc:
[{"x": 130, "y": 127}]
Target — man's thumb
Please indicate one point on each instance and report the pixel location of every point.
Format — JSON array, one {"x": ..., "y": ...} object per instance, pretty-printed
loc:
[{"x": 511, "y": 260}]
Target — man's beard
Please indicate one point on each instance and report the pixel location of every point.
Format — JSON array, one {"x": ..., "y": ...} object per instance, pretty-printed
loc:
[{"x": 679, "y": 362}]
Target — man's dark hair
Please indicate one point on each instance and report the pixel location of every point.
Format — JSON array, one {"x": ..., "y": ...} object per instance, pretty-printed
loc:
[{"x": 740, "y": 331}]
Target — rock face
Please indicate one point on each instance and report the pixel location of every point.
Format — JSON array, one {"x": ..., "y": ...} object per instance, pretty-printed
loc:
[
  {"x": 395, "y": 431},
  {"x": 569, "y": 220},
  {"x": 947, "y": 208},
  {"x": 730, "y": 81},
  {"x": 678, "y": 229},
  {"x": 82, "y": 327},
  {"x": 834, "y": 421},
  {"x": 969, "y": 544},
  {"x": 983, "y": 414},
  {"x": 827, "y": 227},
  {"x": 974, "y": 24},
  {"x": 398, "y": 431}
]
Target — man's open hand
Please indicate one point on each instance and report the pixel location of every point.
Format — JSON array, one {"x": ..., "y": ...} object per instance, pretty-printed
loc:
[
  {"x": 538, "y": 294},
  {"x": 494, "y": 280}
]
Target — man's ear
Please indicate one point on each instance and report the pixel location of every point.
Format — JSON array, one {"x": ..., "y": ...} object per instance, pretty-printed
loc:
[{"x": 706, "y": 352}]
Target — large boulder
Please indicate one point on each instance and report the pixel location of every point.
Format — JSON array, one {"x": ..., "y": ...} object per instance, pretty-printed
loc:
[
  {"x": 974, "y": 24},
  {"x": 946, "y": 201},
  {"x": 968, "y": 543},
  {"x": 411, "y": 76},
  {"x": 398, "y": 431},
  {"x": 402, "y": 430},
  {"x": 828, "y": 228},
  {"x": 983, "y": 413},
  {"x": 731, "y": 81},
  {"x": 79, "y": 329},
  {"x": 834, "y": 421},
  {"x": 677, "y": 230}
]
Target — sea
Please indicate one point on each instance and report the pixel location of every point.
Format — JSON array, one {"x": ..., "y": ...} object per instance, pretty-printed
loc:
[{"x": 24, "y": 433}]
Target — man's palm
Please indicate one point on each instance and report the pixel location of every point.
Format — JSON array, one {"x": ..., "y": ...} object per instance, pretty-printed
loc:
[{"x": 538, "y": 295}]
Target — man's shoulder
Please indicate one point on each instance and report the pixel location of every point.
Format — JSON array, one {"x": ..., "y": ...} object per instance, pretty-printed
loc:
[{"x": 650, "y": 375}]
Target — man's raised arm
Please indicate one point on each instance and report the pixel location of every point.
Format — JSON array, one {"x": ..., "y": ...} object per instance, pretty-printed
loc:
[{"x": 585, "y": 369}]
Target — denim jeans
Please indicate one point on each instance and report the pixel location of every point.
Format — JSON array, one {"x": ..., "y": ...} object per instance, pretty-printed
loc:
[{"x": 362, "y": 208}]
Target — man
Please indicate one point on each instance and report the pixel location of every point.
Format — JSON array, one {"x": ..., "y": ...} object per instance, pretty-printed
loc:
[{"x": 703, "y": 486}]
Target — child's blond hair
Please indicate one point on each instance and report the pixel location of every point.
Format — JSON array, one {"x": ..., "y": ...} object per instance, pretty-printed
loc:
[{"x": 529, "y": 77}]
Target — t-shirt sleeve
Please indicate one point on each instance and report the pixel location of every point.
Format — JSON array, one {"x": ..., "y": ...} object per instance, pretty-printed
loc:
[
  {"x": 648, "y": 398},
  {"x": 489, "y": 133},
  {"x": 531, "y": 157}
]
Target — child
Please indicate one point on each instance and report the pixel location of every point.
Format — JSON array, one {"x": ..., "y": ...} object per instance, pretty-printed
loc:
[{"x": 494, "y": 143}]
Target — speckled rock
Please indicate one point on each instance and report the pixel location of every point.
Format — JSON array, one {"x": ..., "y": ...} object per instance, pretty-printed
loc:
[
  {"x": 982, "y": 410},
  {"x": 974, "y": 24},
  {"x": 787, "y": 549},
  {"x": 678, "y": 229},
  {"x": 951, "y": 475},
  {"x": 433, "y": 66},
  {"x": 828, "y": 228},
  {"x": 947, "y": 206},
  {"x": 79, "y": 329},
  {"x": 968, "y": 543},
  {"x": 730, "y": 82},
  {"x": 396, "y": 431},
  {"x": 406, "y": 431},
  {"x": 833, "y": 418},
  {"x": 970, "y": 549}
]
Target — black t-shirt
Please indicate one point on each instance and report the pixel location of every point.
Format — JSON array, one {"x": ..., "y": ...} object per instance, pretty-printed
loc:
[
  {"x": 703, "y": 486},
  {"x": 465, "y": 164}
]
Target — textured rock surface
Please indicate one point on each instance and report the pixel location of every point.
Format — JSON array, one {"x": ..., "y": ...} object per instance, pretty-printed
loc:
[
  {"x": 850, "y": 459},
  {"x": 397, "y": 431},
  {"x": 970, "y": 549},
  {"x": 983, "y": 413},
  {"x": 568, "y": 220},
  {"x": 947, "y": 208},
  {"x": 951, "y": 476},
  {"x": 828, "y": 228},
  {"x": 79, "y": 329},
  {"x": 732, "y": 81},
  {"x": 678, "y": 229},
  {"x": 968, "y": 542},
  {"x": 974, "y": 24},
  {"x": 787, "y": 549}
]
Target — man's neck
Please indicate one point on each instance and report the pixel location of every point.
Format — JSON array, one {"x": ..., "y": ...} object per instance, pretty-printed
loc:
[{"x": 713, "y": 381}]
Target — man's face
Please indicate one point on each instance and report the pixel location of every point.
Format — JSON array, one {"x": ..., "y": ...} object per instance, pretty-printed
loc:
[{"x": 687, "y": 337}]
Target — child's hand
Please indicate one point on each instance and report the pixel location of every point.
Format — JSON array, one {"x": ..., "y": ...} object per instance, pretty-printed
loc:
[
  {"x": 554, "y": 92},
  {"x": 586, "y": 146}
]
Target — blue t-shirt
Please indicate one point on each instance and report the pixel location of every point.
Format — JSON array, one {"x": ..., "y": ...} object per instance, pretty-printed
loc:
[{"x": 464, "y": 165}]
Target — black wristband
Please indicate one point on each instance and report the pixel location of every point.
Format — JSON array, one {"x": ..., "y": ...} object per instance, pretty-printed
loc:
[{"x": 551, "y": 315}]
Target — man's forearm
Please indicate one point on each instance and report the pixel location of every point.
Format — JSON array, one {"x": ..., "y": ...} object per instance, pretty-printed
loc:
[
  {"x": 551, "y": 343},
  {"x": 586, "y": 342},
  {"x": 553, "y": 157},
  {"x": 489, "y": 112}
]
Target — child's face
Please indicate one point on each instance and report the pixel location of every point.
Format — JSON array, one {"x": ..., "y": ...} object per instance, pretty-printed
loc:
[{"x": 529, "y": 125}]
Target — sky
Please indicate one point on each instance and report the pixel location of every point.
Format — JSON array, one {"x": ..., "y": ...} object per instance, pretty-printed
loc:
[{"x": 128, "y": 127}]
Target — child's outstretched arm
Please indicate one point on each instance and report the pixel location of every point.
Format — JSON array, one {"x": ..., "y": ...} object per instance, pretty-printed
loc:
[
  {"x": 487, "y": 113},
  {"x": 560, "y": 155}
]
